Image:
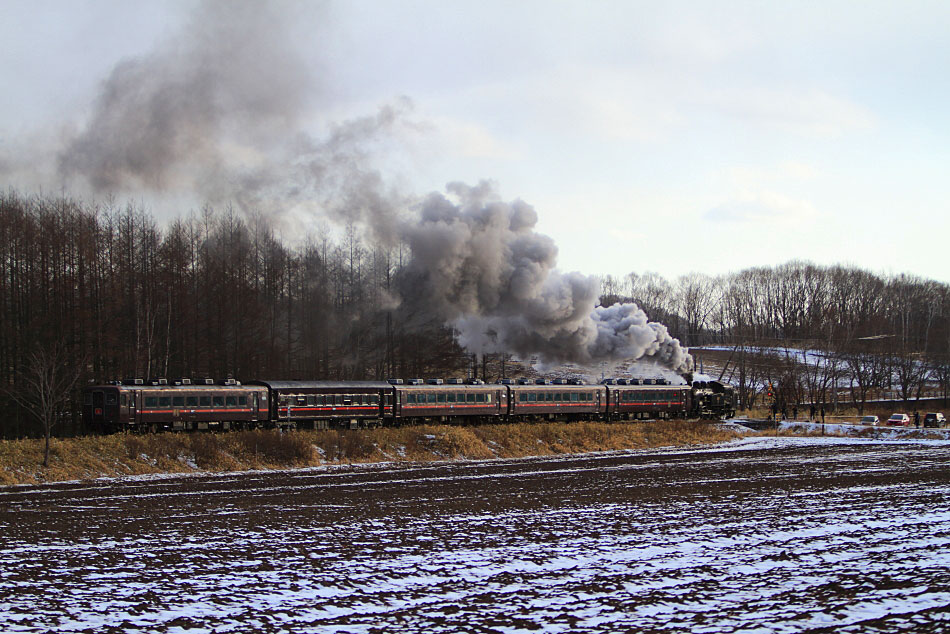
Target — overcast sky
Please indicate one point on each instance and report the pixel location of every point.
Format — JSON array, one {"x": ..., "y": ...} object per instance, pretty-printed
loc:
[{"x": 669, "y": 137}]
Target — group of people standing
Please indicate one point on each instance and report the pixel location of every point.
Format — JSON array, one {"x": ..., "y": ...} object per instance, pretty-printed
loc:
[{"x": 812, "y": 412}]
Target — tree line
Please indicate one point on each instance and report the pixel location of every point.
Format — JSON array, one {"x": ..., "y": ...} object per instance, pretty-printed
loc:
[{"x": 864, "y": 333}]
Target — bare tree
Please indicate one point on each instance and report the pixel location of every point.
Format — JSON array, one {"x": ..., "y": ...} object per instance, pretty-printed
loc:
[{"x": 45, "y": 387}]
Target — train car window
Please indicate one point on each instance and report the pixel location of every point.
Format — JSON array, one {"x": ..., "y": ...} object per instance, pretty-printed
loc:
[
  {"x": 488, "y": 398},
  {"x": 441, "y": 398},
  {"x": 178, "y": 401},
  {"x": 242, "y": 401},
  {"x": 123, "y": 400},
  {"x": 374, "y": 399},
  {"x": 151, "y": 401},
  {"x": 311, "y": 400},
  {"x": 451, "y": 397},
  {"x": 191, "y": 401},
  {"x": 218, "y": 401},
  {"x": 206, "y": 401},
  {"x": 479, "y": 398},
  {"x": 110, "y": 399},
  {"x": 557, "y": 397},
  {"x": 88, "y": 398},
  {"x": 338, "y": 399},
  {"x": 389, "y": 399},
  {"x": 460, "y": 397},
  {"x": 469, "y": 398},
  {"x": 523, "y": 397},
  {"x": 347, "y": 400},
  {"x": 231, "y": 400},
  {"x": 575, "y": 397},
  {"x": 410, "y": 398},
  {"x": 533, "y": 397},
  {"x": 164, "y": 401},
  {"x": 430, "y": 398}
]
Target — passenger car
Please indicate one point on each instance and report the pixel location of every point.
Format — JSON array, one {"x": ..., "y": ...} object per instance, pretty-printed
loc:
[
  {"x": 870, "y": 420},
  {"x": 935, "y": 419},
  {"x": 899, "y": 420}
]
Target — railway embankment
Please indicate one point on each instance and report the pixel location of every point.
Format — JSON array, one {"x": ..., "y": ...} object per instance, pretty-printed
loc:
[{"x": 121, "y": 455}]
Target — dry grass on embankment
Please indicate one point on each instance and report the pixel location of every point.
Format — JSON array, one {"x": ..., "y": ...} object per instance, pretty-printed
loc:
[{"x": 127, "y": 454}]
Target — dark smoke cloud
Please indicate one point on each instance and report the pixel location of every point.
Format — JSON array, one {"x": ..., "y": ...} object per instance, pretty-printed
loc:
[
  {"x": 482, "y": 266},
  {"x": 199, "y": 105},
  {"x": 219, "y": 111}
]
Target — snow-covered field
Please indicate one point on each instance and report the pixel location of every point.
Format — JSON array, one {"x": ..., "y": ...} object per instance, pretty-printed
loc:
[{"x": 763, "y": 535}]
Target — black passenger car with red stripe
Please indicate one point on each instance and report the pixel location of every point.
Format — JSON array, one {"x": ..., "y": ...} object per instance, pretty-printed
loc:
[
  {"x": 557, "y": 400},
  {"x": 435, "y": 400},
  {"x": 137, "y": 405},
  {"x": 325, "y": 404},
  {"x": 647, "y": 398}
]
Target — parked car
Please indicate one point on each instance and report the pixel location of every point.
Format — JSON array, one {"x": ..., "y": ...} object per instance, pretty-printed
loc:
[
  {"x": 935, "y": 419},
  {"x": 900, "y": 420},
  {"x": 870, "y": 420}
]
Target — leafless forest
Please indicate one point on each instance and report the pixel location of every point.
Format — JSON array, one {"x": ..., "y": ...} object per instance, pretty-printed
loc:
[{"x": 103, "y": 291}]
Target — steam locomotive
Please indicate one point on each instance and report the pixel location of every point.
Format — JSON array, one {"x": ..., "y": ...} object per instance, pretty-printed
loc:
[{"x": 137, "y": 405}]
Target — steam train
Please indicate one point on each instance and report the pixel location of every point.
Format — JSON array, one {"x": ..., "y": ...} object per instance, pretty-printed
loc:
[{"x": 137, "y": 405}]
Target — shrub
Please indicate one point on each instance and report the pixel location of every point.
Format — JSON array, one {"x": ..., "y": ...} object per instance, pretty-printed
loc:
[{"x": 274, "y": 447}]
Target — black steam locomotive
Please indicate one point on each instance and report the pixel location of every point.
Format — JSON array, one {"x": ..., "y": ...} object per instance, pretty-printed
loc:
[{"x": 137, "y": 405}]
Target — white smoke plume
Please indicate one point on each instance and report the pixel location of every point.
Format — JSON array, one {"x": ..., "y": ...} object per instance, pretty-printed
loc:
[{"x": 481, "y": 265}]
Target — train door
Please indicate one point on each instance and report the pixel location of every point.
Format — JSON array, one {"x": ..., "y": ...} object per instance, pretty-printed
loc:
[
  {"x": 131, "y": 413},
  {"x": 259, "y": 406},
  {"x": 98, "y": 409}
]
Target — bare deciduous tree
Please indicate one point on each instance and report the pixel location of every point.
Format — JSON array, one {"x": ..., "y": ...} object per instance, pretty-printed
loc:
[{"x": 45, "y": 387}]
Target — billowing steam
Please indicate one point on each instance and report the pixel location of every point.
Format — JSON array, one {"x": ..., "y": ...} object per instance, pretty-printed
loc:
[
  {"x": 203, "y": 106},
  {"x": 220, "y": 111},
  {"x": 482, "y": 266}
]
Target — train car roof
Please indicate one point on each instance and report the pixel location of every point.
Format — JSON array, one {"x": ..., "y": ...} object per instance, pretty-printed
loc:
[
  {"x": 173, "y": 386},
  {"x": 554, "y": 387},
  {"x": 454, "y": 387},
  {"x": 313, "y": 385}
]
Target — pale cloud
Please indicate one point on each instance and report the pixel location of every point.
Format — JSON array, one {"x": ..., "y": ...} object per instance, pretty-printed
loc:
[
  {"x": 472, "y": 140},
  {"x": 764, "y": 208},
  {"x": 805, "y": 111},
  {"x": 756, "y": 176}
]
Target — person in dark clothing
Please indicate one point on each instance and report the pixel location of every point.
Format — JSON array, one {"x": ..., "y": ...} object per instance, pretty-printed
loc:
[
  {"x": 784, "y": 412},
  {"x": 822, "y": 414},
  {"x": 916, "y": 419},
  {"x": 811, "y": 413},
  {"x": 794, "y": 412}
]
